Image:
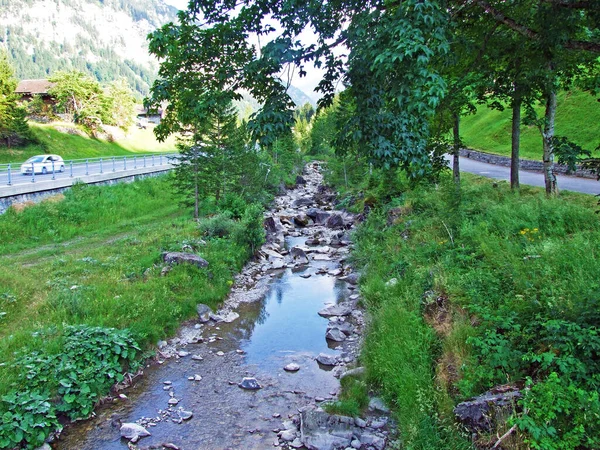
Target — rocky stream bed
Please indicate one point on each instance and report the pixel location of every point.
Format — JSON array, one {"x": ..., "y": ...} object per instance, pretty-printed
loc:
[{"x": 255, "y": 374}]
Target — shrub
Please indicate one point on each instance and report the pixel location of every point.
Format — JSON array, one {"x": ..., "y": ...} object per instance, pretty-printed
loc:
[{"x": 71, "y": 382}]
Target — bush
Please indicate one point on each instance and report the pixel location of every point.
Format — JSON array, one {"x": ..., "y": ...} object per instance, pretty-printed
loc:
[
  {"x": 218, "y": 226},
  {"x": 91, "y": 361}
]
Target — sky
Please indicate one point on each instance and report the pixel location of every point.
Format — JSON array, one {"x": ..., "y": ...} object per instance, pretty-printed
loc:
[{"x": 306, "y": 84}]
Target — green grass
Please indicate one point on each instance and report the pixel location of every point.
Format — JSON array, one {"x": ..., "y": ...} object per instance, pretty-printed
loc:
[
  {"x": 76, "y": 146},
  {"x": 577, "y": 117},
  {"x": 94, "y": 259},
  {"x": 492, "y": 287}
]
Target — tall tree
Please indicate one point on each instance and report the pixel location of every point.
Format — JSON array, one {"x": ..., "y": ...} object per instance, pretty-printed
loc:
[
  {"x": 389, "y": 66},
  {"x": 80, "y": 95},
  {"x": 563, "y": 37},
  {"x": 14, "y": 129}
]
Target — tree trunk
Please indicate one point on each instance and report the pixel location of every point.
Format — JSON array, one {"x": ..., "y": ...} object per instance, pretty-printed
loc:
[
  {"x": 516, "y": 137},
  {"x": 196, "y": 194},
  {"x": 548, "y": 136},
  {"x": 456, "y": 151}
]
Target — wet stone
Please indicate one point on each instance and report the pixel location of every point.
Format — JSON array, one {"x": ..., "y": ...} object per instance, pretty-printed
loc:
[
  {"x": 133, "y": 432},
  {"x": 291, "y": 367},
  {"x": 336, "y": 335},
  {"x": 173, "y": 401},
  {"x": 186, "y": 415},
  {"x": 326, "y": 360},
  {"x": 250, "y": 384}
]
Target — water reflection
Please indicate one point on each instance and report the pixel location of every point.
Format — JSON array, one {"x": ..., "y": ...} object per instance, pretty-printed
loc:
[{"x": 288, "y": 321}]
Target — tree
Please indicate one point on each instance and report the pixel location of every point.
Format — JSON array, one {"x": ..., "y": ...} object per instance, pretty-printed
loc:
[
  {"x": 212, "y": 158},
  {"x": 388, "y": 69},
  {"x": 80, "y": 95},
  {"x": 120, "y": 103},
  {"x": 563, "y": 38},
  {"x": 14, "y": 129}
]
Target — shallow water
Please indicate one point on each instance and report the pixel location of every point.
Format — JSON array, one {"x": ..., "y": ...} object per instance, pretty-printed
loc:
[{"x": 282, "y": 328}]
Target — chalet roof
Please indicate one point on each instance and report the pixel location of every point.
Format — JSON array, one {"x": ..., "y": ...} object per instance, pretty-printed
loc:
[{"x": 33, "y": 86}]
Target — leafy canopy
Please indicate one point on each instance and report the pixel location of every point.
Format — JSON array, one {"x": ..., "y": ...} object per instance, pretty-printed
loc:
[{"x": 388, "y": 67}]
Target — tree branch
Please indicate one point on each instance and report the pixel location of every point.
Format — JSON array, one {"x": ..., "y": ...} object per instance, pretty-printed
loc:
[{"x": 499, "y": 16}]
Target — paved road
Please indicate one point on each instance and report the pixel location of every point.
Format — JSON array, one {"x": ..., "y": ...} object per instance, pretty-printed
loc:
[
  {"x": 79, "y": 170},
  {"x": 565, "y": 183}
]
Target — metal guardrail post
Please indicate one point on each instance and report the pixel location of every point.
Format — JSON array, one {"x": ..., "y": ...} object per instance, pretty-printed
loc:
[
  {"x": 160, "y": 160},
  {"x": 32, "y": 173},
  {"x": 152, "y": 160},
  {"x": 53, "y": 171},
  {"x": 9, "y": 178},
  {"x": 101, "y": 171},
  {"x": 144, "y": 160},
  {"x": 71, "y": 169},
  {"x": 113, "y": 163},
  {"x": 87, "y": 167},
  {"x": 135, "y": 162}
]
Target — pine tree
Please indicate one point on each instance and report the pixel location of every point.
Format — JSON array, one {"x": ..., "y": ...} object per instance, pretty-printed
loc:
[
  {"x": 210, "y": 163},
  {"x": 14, "y": 129}
]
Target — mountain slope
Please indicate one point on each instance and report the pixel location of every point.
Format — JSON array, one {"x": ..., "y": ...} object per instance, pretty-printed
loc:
[{"x": 105, "y": 38}]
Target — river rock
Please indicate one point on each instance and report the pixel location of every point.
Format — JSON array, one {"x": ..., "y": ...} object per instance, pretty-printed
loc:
[
  {"x": 336, "y": 335},
  {"x": 204, "y": 312},
  {"x": 300, "y": 180},
  {"x": 351, "y": 278},
  {"x": 377, "y": 404},
  {"x": 341, "y": 309},
  {"x": 299, "y": 255},
  {"x": 335, "y": 222},
  {"x": 320, "y": 431},
  {"x": 356, "y": 372},
  {"x": 478, "y": 413},
  {"x": 301, "y": 220},
  {"x": 326, "y": 360},
  {"x": 250, "y": 383},
  {"x": 186, "y": 415},
  {"x": 318, "y": 216},
  {"x": 288, "y": 435},
  {"x": 184, "y": 258},
  {"x": 173, "y": 401},
  {"x": 133, "y": 432},
  {"x": 303, "y": 201},
  {"x": 373, "y": 440},
  {"x": 270, "y": 225},
  {"x": 292, "y": 367},
  {"x": 271, "y": 253},
  {"x": 345, "y": 327}
]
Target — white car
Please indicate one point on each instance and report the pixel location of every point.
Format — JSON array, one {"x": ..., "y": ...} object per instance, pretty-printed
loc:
[{"x": 43, "y": 164}]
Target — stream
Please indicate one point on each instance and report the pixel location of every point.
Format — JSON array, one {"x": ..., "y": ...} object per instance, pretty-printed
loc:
[{"x": 278, "y": 314}]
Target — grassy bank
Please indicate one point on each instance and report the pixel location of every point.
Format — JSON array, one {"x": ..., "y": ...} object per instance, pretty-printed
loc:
[
  {"x": 71, "y": 142},
  {"x": 468, "y": 293},
  {"x": 73, "y": 269},
  {"x": 577, "y": 117}
]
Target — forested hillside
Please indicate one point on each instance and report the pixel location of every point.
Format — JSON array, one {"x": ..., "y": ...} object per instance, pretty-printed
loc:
[{"x": 105, "y": 38}]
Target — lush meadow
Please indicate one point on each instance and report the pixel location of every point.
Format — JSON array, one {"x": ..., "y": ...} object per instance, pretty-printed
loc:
[{"x": 472, "y": 291}]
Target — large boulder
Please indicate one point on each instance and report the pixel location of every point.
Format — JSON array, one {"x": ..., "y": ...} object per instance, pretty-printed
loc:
[
  {"x": 481, "y": 414},
  {"x": 204, "y": 312},
  {"x": 341, "y": 309},
  {"x": 301, "y": 220},
  {"x": 318, "y": 216},
  {"x": 335, "y": 221},
  {"x": 270, "y": 225},
  {"x": 299, "y": 255},
  {"x": 303, "y": 201},
  {"x": 300, "y": 180},
  {"x": 321, "y": 431},
  {"x": 184, "y": 258}
]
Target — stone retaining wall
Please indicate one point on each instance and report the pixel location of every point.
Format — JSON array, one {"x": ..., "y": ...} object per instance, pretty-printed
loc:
[{"x": 526, "y": 164}]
